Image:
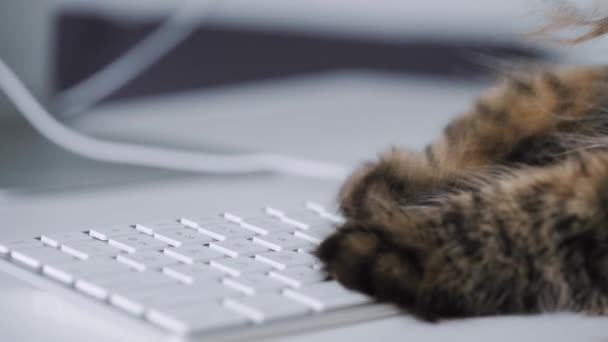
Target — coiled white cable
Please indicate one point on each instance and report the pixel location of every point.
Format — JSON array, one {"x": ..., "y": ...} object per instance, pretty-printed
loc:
[
  {"x": 103, "y": 83},
  {"x": 158, "y": 157}
]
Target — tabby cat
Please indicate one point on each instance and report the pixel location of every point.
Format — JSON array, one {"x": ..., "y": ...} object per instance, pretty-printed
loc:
[{"x": 507, "y": 212}]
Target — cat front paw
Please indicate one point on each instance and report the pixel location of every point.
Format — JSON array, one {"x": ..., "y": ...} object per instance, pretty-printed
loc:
[{"x": 362, "y": 258}]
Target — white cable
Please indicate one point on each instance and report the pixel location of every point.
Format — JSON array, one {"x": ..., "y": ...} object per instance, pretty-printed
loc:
[
  {"x": 103, "y": 83},
  {"x": 157, "y": 157}
]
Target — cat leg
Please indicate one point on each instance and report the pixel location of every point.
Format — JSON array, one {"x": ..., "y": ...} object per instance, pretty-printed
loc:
[
  {"x": 524, "y": 120},
  {"x": 533, "y": 240},
  {"x": 517, "y": 119}
]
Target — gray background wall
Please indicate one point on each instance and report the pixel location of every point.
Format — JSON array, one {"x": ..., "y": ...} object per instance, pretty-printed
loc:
[{"x": 26, "y": 25}]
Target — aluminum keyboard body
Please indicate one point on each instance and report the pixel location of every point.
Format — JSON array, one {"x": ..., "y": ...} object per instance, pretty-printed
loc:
[{"x": 196, "y": 275}]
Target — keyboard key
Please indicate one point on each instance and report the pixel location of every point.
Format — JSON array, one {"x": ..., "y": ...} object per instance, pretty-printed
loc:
[
  {"x": 137, "y": 303},
  {"x": 316, "y": 207},
  {"x": 105, "y": 233},
  {"x": 84, "y": 269},
  {"x": 282, "y": 216},
  {"x": 300, "y": 219},
  {"x": 299, "y": 276},
  {"x": 314, "y": 235},
  {"x": 35, "y": 257},
  {"x": 280, "y": 241},
  {"x": 307, "y": 249},
  {"x": 181, "y": 236},
  {"x": 323, "y": 212},
  {"x": 274, "y": 212},
  {"x": 283, "y": 259},
  {"x": 136, "y": 242},
  {"x": 195, "y": 223},
  {"x": 253, "y": 283},
  {"x": 201, "y": 290},
  {"x": 133, "y": 282},
  {"x": 192, "y": 253},
  {"x": 267, "y": 225},
  {"x": 127, "y": 304},
  {"x": 266, "y": 307},
  {"x": 91, "y": 289},
  {"x": 308, "y": 219},
  {"x": 238, "y": 247},
  {"x": 334, "y": 218},
  {"x": 225, "y": 230},
  {"x": 232, "y": 217},
  {"x": 323, "y": 225},
  {"x": 6, "y": 247},
  {"x": 202, "y": 316},
  {"x": 152, "y": 227},
  {"x": 55, "y": 239},
  {"x": 305, "y": 214},
  {"x": 145, "y": 259},
  {"x": 127, "y": 284},
  {"x": 316, "y": 222},
  {"x": 186, "y": 294},
  {"x": 57, "y": 274},
  {"x": 192, "y": 273},
  {"x": 326, "y": 296},
  {"x": 188, "y": 223},
  {"x": 88, "y": 248},
  {"x": 100, "y": 287},
  {"x": 238, "y": 266},
  {"x": 170, "y": 296},
  {"x": 4, "y": 251},
  {"x": 130, "y": 282}
]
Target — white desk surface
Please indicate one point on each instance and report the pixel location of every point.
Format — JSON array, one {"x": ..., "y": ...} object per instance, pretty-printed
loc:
[{"x": 339, "y": 117}]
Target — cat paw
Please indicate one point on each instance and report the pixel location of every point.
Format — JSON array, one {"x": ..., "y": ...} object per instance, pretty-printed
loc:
[
  {"x": 407, "y": 263},
  {"x": 363, "y": 259}
]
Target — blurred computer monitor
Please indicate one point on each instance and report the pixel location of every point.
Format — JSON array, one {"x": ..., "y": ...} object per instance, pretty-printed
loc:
[{"x": 54, "y": 44}]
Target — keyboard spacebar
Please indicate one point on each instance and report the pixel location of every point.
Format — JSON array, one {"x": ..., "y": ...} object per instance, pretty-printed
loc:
[{"x": 202, "y": 317}]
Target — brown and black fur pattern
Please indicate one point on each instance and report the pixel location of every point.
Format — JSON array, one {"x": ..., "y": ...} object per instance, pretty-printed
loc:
[{"x": 507, "y": 212}]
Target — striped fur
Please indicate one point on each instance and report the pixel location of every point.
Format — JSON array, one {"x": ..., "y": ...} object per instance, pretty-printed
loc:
[{"x": 506, "y": 212}]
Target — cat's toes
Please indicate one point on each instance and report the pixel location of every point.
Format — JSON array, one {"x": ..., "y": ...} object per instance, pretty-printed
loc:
[
  {"x": 362, "y": 259},
  {"x": 348, "y": 256}
]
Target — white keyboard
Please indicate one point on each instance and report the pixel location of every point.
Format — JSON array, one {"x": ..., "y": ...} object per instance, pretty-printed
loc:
[{"x": 196, "y": 275}]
